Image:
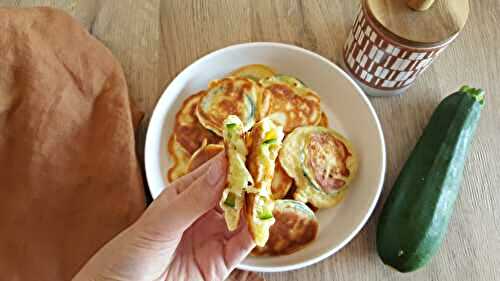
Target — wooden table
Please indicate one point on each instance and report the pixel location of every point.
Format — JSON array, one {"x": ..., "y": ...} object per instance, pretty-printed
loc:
[
  {"x": 190, "y": 29},
  {"x": 152, "y": 52}
]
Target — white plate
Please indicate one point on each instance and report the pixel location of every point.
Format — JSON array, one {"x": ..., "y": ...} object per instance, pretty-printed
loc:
[{"x": 349, "y": 112}]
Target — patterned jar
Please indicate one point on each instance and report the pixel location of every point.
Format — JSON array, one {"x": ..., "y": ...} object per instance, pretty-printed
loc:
[{"x": 384, "y": 63}]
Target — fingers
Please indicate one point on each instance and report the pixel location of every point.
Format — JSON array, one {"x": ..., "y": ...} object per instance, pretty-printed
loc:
[
  {"x": 239, "y": 245},
  {"x": 201, "y": 196},
  {"x": 218, "y": 250},
  {"x": 179, "y": 185},
  {"x": 186, "y": 180},
  {"x": 198, "y": 192}
]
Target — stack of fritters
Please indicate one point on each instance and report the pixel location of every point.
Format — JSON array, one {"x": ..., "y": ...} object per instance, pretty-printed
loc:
[{"x": 248, "y": 114}]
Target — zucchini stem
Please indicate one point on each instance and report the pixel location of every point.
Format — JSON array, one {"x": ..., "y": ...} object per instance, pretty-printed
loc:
[{"x": 477, "y": 94}]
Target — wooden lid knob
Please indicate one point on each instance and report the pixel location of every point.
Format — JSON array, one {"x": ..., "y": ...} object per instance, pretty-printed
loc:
[
  {"x": 420, "y": 21},
  {"x": 420, "y": 5}
]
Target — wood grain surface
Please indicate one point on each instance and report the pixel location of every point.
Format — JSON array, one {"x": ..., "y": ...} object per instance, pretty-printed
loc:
[
  {"x": 437, "y": 24},
  {"x": 153, "y": 51}
]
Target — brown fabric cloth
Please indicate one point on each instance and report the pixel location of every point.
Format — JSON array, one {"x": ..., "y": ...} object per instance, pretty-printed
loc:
[{"x": 69, "y": 176}]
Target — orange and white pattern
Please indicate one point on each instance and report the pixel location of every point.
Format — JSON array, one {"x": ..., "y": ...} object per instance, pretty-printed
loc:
[{"x": 379, "y": 61}]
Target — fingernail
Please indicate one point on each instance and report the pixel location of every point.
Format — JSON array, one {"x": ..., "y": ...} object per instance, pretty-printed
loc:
[{"x": 216, "y": 171}]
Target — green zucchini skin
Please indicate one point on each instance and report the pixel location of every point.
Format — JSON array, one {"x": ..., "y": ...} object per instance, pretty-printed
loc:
[{"x": 414, "y": 219}]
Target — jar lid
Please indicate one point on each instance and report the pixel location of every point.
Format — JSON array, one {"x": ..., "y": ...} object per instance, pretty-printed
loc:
[{"x": 443, "y": 20}]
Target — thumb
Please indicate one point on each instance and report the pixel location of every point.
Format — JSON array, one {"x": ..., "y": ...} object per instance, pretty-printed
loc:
[
  {"x": 141, "y": 251},
  {"x": 168, "y": 218}
]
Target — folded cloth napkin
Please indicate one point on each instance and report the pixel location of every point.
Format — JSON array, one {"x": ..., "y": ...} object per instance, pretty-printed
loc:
[{"x": 69, "y": 176}]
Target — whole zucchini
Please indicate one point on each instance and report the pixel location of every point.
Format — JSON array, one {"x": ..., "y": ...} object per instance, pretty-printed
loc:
[{"x": 415, "y": 217}]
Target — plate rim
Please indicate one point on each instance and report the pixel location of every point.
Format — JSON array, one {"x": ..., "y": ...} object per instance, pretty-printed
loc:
[{"x": 155, "y": 119}]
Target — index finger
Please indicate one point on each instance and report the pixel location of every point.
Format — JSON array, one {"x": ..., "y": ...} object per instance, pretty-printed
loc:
[{"x": 178, "y": 186}]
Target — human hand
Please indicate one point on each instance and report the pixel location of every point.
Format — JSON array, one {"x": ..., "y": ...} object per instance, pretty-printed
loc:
[{"x": 181, "y": 236}]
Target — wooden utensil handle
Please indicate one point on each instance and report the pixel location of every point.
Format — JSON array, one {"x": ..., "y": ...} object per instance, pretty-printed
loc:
[{"x": 420, "y": 5}]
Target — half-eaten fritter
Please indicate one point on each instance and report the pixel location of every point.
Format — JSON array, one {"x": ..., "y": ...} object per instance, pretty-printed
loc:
[{"x": 266, "y": 138}]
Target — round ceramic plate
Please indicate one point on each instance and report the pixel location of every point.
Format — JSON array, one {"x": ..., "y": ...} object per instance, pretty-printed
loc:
[{"x": 349, "y": 112}]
